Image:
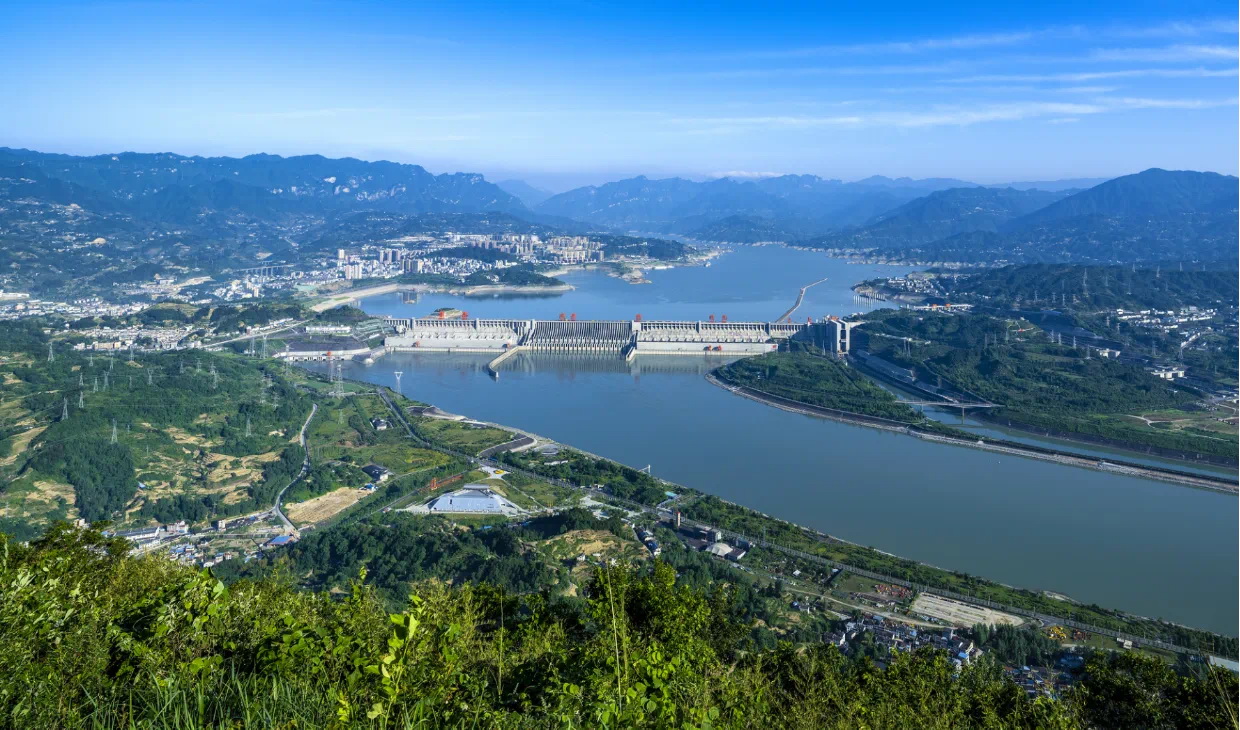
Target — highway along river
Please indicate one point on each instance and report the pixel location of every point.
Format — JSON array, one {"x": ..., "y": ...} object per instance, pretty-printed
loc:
[{"x": 1143, "y": 546}]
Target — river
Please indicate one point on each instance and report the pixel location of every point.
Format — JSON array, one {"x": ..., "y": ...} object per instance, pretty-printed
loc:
[{"x": 1143, "y": 546}]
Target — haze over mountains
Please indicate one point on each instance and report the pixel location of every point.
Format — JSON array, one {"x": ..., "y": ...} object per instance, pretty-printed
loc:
[{"x": 63, "y": 216}]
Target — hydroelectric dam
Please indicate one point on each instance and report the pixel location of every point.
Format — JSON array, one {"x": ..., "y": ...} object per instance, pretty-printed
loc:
[
  {"x": 628, "y": 338},
  {"x": 503, "y": 338}
]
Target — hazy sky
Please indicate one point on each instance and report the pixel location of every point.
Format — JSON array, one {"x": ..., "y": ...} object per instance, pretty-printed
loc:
[{"x": 562, "y": 93}]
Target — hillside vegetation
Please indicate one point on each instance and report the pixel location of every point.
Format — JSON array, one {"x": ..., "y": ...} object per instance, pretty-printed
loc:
[
  {"x": 1039, "y": 383},
  {"x": 142, "y": 643}
]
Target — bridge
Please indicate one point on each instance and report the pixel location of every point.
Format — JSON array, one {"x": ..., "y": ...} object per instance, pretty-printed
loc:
[
  {"x": 625, "y": 337},
  {"x": 948, "y": 404}
]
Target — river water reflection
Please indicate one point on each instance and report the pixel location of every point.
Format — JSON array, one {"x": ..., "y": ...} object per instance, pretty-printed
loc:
[{"x": 1143, "y": 546}]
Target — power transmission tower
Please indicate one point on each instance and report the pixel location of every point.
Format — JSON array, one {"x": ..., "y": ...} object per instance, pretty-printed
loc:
[
  {"x": 150, "y": 376},
  {"x": 398, "y": 373},
  {"x": 215, "y": 378},
  {"x": 81, "y": 399},
  {"x": 113, "y": 430},
  {"x": 264, "y": 347},
  {"x": 51, "y": 353},
  {"x": 94, "y": 388},
  {"x": 130, "y": 352},
  {"x": 64, "y": 411},
  {"x": 91, "y": 359},
  {"x": 337, "y": 377},
  {"x": 80, "y": 378},
  {"x": 105, "y": 381},
  {"x": 247, "y": 426}
]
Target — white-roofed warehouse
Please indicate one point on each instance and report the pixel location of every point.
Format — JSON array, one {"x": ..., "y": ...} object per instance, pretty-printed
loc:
[{"x": 474, "y": 498}]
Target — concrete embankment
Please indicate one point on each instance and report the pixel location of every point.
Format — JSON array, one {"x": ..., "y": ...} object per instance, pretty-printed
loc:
[
  {"x": 1199, "y": 481},
  {"x": 493, "y": 366},
  {"x": 341, "y": 298},
  {"x": 345, "y": 297}
]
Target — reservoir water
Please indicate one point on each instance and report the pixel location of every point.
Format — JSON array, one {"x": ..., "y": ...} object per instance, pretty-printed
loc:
[{"x": 1143, "y": 546}]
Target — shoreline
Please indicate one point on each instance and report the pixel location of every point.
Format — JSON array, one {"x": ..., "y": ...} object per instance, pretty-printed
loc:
[
  {"x": 341, "y": 298},
  {"x": 1185, "y": 479},
  {"x": 819, "y": 536}
]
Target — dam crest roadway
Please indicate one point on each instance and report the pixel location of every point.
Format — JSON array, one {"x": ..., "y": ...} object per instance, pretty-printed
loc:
[{"x": 628, "y": 338}]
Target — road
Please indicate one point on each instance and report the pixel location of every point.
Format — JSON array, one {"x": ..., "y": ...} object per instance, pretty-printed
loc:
[
  {"x": 305, "y": 469},
  {"x": 256, "y": 334}
]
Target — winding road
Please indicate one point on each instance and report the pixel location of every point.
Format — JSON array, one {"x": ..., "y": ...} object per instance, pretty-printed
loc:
[{"x": 305, "y": 469}]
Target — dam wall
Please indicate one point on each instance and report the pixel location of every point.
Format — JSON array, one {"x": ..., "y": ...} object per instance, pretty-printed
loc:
[{"x": 626, "y": 337}]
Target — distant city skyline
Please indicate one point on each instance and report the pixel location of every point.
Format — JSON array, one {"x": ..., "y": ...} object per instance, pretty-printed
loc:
[{"x": 566, "y": 94}]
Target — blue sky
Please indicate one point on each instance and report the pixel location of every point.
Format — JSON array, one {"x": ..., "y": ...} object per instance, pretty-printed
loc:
[{"x": 564, "y": 93}]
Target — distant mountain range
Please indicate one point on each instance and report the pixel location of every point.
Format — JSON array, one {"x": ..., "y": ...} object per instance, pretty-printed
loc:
[
  {"x": 179, "y": 186},
  {"x": 526, "y": 193},
  {"x": 789, "y": 206},
  {"x": 66, "y": 219},
  {"x": 1156, "y": 215},
  {"x": 941, "y": 214}
]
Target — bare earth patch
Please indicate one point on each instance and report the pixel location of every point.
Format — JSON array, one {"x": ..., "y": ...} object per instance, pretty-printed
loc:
[
  {"x": 324, "y": 505},
  {"x": 20, "y": 442},
  {"x": 961, "y": 614}
]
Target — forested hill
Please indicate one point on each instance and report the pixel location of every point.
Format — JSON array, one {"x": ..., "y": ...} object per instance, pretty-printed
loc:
[
  {"x": 139, "y": 642},
  {"x": 941, "y": 214},
  {"x": 172, "y": 185},
  {"x": 1098, "y": 287},
  {"x": 72, "y": 224},
  {"x": 1154, "y": 193}
]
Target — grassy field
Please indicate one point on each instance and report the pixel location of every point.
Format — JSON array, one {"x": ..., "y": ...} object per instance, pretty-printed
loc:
[
  {"x": 461, "y": 436},
  {"x": 1200, "y": 423},
  {"x": 399, "y": 458}
]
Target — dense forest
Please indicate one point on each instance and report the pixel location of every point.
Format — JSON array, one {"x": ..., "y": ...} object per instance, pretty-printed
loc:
[
  {"x": 818, "y": 380},
  {"x": 1038, "y": 382},
  {"x": 139, "y": 642},
  {"x": 1062, "y": 286}
]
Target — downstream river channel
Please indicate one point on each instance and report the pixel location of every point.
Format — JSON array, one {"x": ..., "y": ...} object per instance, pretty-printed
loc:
[{"x": 1143, "y": 546}]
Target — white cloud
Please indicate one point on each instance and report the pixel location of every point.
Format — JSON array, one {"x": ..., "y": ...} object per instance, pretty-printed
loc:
[
  {"x": 1053, "y": 112},
  {"x": 1167, "y": 53},
  {"x": 982, "y": 40},
  {"x": 809, "y": 71},
  {"x": 1179, "y": 29},
  {"x": 969, "y": 41},
  {"x": 1098, "y": 75},
  {"x": 1142, "y": 103}
]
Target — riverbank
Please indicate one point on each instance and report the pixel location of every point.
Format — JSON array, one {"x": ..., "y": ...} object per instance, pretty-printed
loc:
[
  {"x": 1003, "y": 447},
  {"x": 349, "y": 296},
  {"x": 1101, "y": 538},
  {"x": 1087, "y": 440},
  {"x": 801, "y": 543}
]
